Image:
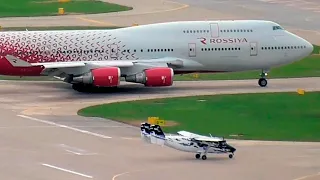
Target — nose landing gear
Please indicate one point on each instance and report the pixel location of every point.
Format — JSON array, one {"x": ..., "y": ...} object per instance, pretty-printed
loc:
[{"x": 263, "y": 81}]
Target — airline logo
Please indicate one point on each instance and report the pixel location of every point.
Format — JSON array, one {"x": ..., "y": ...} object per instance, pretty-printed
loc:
[
  {"x": 223, "y": 40},
  {"x": 163, "y": 79},
  {"x": 203, "y": 40}
]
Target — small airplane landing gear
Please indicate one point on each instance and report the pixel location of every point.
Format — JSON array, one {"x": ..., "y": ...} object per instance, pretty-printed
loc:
[
  {"x": 197, "y": 156},
  {"x": 204, "y": 157},
  {"x": 230, "y": 156},
  {"x": 263, "y": 81}
]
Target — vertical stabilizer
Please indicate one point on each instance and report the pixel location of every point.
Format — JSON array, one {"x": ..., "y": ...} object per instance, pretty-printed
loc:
[
  {"x": 157, "y": 136},
  {"x": 145, "y": 132}
]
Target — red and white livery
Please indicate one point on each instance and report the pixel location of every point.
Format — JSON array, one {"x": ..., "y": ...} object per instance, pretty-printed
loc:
[{"x": 150, "y": 54}]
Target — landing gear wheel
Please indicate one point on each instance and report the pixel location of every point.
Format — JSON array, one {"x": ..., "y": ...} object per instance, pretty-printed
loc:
[
  {"x": 204, "y": 157},
  {"x": 230, "y": 156},
  {"x": 78, "y": 87},
  {"x": 197, "y": 156},
  {"x": 263, "y": 82}
]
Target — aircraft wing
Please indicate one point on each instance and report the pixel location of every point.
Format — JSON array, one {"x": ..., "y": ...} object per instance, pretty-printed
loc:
[
  {"x": 61, "y": 69},
  {"x": 187, "y": 134},
  {"x": 198, "y": 137},
  {"x": 208, "y": 139}
]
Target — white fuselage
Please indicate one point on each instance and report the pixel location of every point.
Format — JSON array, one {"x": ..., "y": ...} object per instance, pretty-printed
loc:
[
  {"x": 212, "y": 46},
  {"x": 185, "y": 144},
  {"x": 216, "y": 45}
]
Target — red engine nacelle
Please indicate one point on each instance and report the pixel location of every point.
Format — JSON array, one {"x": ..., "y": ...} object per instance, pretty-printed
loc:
[
  {"x": 159, "y": 77},
  {"x": 153, "y": 77},
  {"x": 101, "y": 77}
]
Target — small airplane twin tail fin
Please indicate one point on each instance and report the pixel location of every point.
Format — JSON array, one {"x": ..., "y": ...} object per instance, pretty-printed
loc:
[
  {"x": 145, "y": 132},
  {"x": 157, "y": 136},
  {"x": 152, "y": 134}
]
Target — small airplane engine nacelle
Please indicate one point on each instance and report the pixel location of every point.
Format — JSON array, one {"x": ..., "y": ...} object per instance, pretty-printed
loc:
[
  {"x": 101, "y": 77},
  {"x": 153, "y": 77}
]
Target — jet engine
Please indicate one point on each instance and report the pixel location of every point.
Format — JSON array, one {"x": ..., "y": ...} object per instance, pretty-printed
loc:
[
  {"x": 153, "y": 77},
  {"x": 101, "y": 77}
]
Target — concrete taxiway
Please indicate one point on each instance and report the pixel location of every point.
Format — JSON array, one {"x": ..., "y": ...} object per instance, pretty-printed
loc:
[{"x": 45, "y": 139}]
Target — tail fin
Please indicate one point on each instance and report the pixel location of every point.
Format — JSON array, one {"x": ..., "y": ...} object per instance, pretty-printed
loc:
[
  {"x": 145, "y": 132},
  {"x": 157, "y": 136}
]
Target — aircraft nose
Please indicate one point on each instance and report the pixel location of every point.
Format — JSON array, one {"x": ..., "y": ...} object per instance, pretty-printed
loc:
[
  {"x": 309, "y": 47},
  {"x": 232, "y": 149}
]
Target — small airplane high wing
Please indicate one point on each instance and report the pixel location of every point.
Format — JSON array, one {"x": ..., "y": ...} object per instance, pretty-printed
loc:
[{"x": 198, "y": 137}]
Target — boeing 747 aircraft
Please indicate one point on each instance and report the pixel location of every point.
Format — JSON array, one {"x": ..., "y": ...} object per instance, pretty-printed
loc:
[{"x": 150, "y": 54}]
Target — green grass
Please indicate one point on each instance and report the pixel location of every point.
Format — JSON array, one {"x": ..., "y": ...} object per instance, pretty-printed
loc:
[
  {"x": 316, "y": 49},
  {"x": 270, "y": 116},
  {"x": 15, "y": 8}
]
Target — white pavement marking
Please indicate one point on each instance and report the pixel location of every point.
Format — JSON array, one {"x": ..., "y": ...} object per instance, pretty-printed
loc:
[
  {"x": 64, "y": 126},
  {"x": 66, "y": 170},
  {"x": 308, "y": 176},
  {"x": 75, "y": 150}
]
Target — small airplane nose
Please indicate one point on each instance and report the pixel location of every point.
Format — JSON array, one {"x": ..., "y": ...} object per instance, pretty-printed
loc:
[{"x": 232, "y": 149}]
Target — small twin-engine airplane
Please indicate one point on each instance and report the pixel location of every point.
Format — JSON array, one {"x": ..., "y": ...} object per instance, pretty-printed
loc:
[{"x": 186, "y": 141}]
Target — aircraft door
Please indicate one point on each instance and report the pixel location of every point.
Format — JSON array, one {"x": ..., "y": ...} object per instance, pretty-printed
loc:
[
  {"x": 192, "y": 50},
  {"x": 114, "y": 51},
  {"x": 214, "y": 28},
  {"x": 253, "y": 49}
]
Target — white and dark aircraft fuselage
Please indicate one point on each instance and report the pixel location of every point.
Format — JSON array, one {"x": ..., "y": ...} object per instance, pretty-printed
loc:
[{"x": 186, "y": 141}]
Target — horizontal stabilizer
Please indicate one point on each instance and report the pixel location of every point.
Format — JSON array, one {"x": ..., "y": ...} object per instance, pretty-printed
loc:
[{"x": 16, "y": 62}]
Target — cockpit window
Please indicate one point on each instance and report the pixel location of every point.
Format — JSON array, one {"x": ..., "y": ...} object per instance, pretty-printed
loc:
[{"x": 277, "y": 28}]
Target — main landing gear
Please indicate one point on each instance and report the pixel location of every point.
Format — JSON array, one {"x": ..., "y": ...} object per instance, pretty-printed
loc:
[
  {"x": 204, "y": 157},
  {"x": 263, "y": 81},
  {"x": 80, "y": 87},
  {"x": 88, "y": 88}
]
